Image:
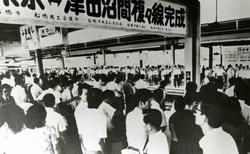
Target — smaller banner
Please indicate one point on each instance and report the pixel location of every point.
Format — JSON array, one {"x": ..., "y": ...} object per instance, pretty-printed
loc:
[{"x": 50, "y": 36}]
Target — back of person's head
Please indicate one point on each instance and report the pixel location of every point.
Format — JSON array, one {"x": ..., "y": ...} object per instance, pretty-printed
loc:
[
  {"x": 163, "y": 84},
  {"x": 35, "y": 116},
  {"x": 158, "y": 95},
  {"x": 111, "y": 77},
  {"x": 97, "y": 77},
  {"x": 104, "y": 78},
  {"x": 49, "y": 100},
  {"x": 27, "y": 74},
  {"x": 190, "y": 98},
  {"x": 219, "y": 83},
  {"x": 179, "y": 103},
  {"x": 118, "y": 78},
  {"x": 153, "y": 117},
  {"x": 130, "y": 77},
  {"x": 36, "y": 80},
  {"x": 82, "y": 86},
  {"x": 142, "y": 95},
  {"x": 94, "y": 97},
  {"x": 5, "y": 86},
  {"x": 19, "y": 80},
  {"x": 142, "y": 76},
  {"x": 14, "y": 117},
  {"x": 108, "y": 94},
  {"x": 66, "y": 83},
  {"x": 214, "y": 108},
  {"x": 191, "y": 87},
  {"x": 241, "y": 89},
  {"x": 53, "y": 83},
  {"x": 7, "y": 75},
  {"x": 232, "y": 81},
  {"x": 34, "y": 75},
  {"x": 137, "y": 77},
  {"x": 206, "y": 91},
  {"x": 233, "y": 113}
]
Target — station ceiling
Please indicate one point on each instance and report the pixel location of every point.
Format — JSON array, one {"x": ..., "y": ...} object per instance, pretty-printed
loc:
[
  {"x": 233, "y": 32},
  {"x": 9, "y": 33}
]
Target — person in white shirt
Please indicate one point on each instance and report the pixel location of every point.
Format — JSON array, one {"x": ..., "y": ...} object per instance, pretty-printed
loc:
[
  {"x": 209, "y": 116},
  {"x": 112, "y": 85},
  {"x": 92, "y": 127},
  {"x": 53, "y": 118},
  {"x": 155, "y": 104},
  {"x": 36, "y": 137},
  {"x": 11, "y": 123},
  {"x": 19, "y": 94},
  {"x": 140, "y": 83},
  {"x": 230, "y": 90},
  {"x": 106, "y": 107},
  {"x": 8, "y": 79},
  {"x": 136, "y": 138},
  {"x": 67, "y": 95},
  {"x": 28, "y": 78},
  {"x": 82, "y": 105},
  {"x": 219, "y": 71},
  {"x": 157, "y": 141},
  {"x": 176, "y": 74},
  {"x": 35, "y": 89},
  {"x": 51, "y": 90}
]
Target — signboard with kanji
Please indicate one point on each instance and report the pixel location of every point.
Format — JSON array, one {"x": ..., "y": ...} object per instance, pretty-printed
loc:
[
  {"x": 50, "y": 36},
  {"x": 236, "y": 55},
  {"x": 139, "y": 15},
  {"x": 29, "y": 37}
]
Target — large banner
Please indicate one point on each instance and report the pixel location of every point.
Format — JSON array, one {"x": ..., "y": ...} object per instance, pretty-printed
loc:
[{"x": 139, "y": 15}]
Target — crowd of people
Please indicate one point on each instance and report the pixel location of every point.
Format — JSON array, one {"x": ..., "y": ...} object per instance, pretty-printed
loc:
[{"x": 112, "y": 111}]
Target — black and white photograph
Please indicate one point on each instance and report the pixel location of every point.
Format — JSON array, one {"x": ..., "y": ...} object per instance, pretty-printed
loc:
[{"x": 125, "y": 77}]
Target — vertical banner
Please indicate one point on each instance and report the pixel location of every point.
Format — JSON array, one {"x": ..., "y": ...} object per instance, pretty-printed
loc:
[{"x": 29, "y": 38}]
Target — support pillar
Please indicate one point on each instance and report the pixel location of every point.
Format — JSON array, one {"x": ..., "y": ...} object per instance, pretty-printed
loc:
[
  {"x": 192, "y": 43},
  {"x": 62, "y": 61},
  {"x": 1, "y": 53},
  {"x": 140, "y": 58},
  {"x": 172, "y": 53},
  {"x": 221, "y": 56},
  {"x": 64, "y": 50},
  {"x": 210, "y": 60},
  {"x": 39, "y": 62},
  {"x": 94, "y": 59},
  {"x": 104, "y": 56}
]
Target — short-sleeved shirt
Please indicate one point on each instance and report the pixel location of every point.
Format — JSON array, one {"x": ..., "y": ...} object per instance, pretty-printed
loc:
[
  {"x": 35, "y": 91},
  {"x": 135, "y": 129},
  {"x": 19, "y": 94},
  {"x": 217, "y": 141},
  {"x": 157, "y": 144},
  {"x": 56, "y": 120},
  {"x": 92, "y": 127},
  {"x": 49, "y": 91},
  {"x": 33, "y": 141}
]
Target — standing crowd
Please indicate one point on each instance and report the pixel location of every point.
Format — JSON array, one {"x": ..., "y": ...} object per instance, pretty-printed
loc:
[{"x": 112, "y": 111}]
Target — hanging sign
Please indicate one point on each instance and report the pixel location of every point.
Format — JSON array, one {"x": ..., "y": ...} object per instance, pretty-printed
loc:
[
  {"x": 29, "y": 38},
  {"x": 50, "y": 36}
]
